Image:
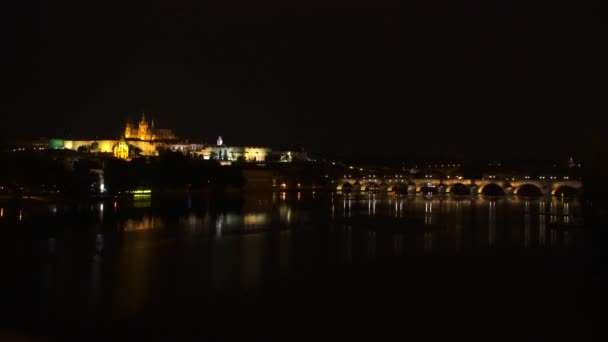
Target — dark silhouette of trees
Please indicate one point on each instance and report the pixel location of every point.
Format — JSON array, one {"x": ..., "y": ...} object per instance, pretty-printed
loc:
[{"x": 171, "y": 171}]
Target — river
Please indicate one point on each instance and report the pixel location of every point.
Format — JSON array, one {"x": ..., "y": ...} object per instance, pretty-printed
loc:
[{"x": 297, "y": 266}]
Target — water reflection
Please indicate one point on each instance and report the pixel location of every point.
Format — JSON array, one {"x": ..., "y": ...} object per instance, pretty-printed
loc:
[
  {"x": 371, "y": 244},
  {"x": 95, "y": 278},
  {"x": 133, "y": 251},
  {"x": 527, "y": 220},
  {"x": 398, "y": 245},
  {"x": 428, "y": 241},
  {"x": 491, "y": 223},
  {"x": 144, "y": 223},
  {"x": 542, "y": 226}
]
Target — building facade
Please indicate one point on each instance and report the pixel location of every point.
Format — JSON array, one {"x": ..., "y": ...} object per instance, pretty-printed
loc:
[
  {"x": 145, "y": 140},
  {"x": 147, "y": 132}
]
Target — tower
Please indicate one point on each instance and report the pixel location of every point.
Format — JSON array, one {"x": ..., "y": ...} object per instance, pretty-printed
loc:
[
  {"x": 128, "y": 131},
  {"x": 143, "y": 133},
  {"x": 219, "y": 141}
]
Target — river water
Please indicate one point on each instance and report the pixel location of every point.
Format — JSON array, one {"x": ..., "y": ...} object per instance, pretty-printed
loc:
[{"x": 296, "y": 266}]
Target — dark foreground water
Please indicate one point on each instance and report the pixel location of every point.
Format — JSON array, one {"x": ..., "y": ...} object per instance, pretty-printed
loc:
[{"x": 296, "y": 267}]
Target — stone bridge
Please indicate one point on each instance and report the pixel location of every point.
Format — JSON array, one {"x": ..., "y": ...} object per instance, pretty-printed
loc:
[{"x": 460, "y": 186}]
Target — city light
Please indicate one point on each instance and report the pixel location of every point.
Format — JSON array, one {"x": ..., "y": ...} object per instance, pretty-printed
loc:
[{"x": 140, "y": 192}]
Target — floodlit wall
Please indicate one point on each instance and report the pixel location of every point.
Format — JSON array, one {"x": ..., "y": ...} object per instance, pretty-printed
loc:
[{"x": 105, "y": 146}]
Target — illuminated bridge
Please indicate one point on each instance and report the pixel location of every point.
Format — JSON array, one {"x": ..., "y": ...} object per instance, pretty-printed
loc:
[{"x": 514, "y": 186}]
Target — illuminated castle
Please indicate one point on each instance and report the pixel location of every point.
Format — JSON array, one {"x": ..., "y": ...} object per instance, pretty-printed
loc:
[{"x": 147, "y": 132}]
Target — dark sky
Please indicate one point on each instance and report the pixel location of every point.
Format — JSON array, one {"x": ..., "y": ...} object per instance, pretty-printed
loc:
[{"x": 466, "y": 78}]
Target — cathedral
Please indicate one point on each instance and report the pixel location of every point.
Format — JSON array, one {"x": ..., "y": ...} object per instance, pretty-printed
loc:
[{"x": 147, "y": 132}]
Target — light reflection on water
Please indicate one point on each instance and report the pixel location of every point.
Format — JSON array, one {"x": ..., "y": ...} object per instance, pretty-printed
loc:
[
  {"x": 144, "y": 223},
  {"x": 135, "y": 250}
]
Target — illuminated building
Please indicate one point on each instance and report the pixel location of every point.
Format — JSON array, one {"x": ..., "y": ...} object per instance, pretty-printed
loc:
[
  {"x": 147, "y": 132},
  {"x": 121, "y": 150},
  {"x": 146, "y": 140},
  {"x": 222, "y": 152}
]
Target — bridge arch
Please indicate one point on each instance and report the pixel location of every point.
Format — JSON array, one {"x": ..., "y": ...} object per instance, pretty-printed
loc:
[
  {"x": 400, "y": 187},
  {"x": 491, "y": 189},
  {"x": 528, "y": 190},
  {"x": 346, "y": 186},
  {"x": 565, "y": 191},
  {"x": 458, "y": 189}
]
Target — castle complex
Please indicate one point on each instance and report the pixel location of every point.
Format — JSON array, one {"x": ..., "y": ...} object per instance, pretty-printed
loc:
[{"x": 146, "y": 140}]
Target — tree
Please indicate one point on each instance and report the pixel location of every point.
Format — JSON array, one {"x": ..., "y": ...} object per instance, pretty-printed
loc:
[
  {"x": 134, "y": 150},
  {"x": 94, "y": 146}
]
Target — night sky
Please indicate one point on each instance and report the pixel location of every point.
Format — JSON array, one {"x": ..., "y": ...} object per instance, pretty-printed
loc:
[{"x": 500, "y": 80}]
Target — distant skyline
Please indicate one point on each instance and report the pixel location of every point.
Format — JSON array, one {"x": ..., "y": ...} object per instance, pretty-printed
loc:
[{"x": 464, "y": 80}]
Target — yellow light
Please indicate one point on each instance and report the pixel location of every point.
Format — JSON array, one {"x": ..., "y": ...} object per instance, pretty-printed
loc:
[
  {"x": 283, "y": 185},
  {"x": 20, "y": 215},
  {"x": 1, "y": 212},
  {"x": 139, "y": 192}
]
